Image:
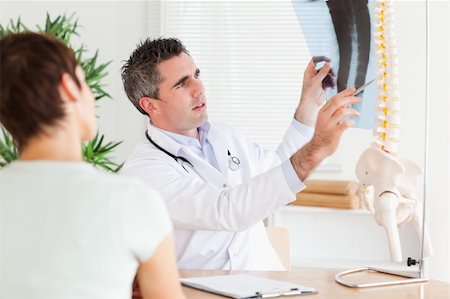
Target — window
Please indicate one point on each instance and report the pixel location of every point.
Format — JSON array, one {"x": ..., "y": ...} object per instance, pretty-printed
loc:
[{"x": 251, "y": 54}]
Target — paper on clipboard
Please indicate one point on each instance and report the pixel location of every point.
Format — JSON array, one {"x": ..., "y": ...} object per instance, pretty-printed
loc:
[{"x": 242, "y": 286}]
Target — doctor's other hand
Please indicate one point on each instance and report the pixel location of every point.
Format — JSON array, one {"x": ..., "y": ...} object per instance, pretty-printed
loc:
[
  {"x": 332, "y": 121},
  {"x": 314, "y": 85}
]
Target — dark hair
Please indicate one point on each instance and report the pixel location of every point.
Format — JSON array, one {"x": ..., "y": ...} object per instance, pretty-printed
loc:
[
  {"x": 31, "y": 66},
  {"x": 140, "y": 75}
]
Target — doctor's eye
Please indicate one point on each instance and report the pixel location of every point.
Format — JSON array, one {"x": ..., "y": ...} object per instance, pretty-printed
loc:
[
  {"x": 197, "y": 73},
  {"x": 182, "y": 84}
]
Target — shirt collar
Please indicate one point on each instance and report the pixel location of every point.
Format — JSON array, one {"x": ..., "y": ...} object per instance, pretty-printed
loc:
[{"x": 203, "y": 132}]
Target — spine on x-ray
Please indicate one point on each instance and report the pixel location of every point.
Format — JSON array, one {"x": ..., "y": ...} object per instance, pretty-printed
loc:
[{"x": 388, "y": 103}]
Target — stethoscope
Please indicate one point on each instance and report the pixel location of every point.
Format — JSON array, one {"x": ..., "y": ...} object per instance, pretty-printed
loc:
[{"x": 233, "y": 161}]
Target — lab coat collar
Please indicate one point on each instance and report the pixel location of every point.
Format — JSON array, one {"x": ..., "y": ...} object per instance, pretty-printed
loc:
[
  {"x": 159, "y": 135},
  {"x": 163, "y": 140}
]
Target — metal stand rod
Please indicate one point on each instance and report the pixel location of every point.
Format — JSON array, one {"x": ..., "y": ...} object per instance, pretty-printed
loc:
[{"x": 410, "y": 278}]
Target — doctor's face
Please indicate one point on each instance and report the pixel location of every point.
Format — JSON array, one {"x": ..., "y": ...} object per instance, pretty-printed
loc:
[{"x": 181, "y": 107}]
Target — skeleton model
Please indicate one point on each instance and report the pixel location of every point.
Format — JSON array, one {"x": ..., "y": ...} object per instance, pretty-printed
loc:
[{"x": 388, "y": 182}]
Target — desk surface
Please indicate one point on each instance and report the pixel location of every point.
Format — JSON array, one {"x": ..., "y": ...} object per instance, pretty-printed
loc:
[{"x": 323, "y": 281}]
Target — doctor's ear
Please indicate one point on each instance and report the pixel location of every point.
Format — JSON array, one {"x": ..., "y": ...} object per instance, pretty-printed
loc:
[{"x": 148, "y": 105}]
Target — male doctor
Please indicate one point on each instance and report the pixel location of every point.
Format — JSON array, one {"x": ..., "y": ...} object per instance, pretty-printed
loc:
[{"x": 218, "y": 186}]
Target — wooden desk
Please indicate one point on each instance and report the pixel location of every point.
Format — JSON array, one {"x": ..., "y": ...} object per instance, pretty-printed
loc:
[{"x": 323, "y": 281}]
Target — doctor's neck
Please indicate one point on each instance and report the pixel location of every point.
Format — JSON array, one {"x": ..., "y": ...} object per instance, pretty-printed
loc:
[{"x": 193, "y": 133}]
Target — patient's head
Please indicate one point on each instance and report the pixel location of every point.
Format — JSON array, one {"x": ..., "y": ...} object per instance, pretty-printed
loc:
[{"x": 41, "y": 87}]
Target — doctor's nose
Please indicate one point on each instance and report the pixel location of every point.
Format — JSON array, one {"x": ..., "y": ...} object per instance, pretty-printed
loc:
[{"x": 198, "y": 89}]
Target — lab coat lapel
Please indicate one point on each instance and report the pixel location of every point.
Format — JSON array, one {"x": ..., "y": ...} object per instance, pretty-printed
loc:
[
  {"x": 203, "y": 169},
  {"x": 206, "y": 171}
]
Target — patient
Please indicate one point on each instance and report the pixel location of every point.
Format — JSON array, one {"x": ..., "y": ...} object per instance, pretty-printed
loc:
[{"x": 66, "y": 229}]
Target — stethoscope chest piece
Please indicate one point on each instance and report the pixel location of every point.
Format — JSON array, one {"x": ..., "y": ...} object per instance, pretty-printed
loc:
[{"x": 233, "y": 162}]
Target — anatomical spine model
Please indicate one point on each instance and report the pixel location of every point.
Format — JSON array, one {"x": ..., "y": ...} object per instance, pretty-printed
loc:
[{"x": 388, "y": 182}]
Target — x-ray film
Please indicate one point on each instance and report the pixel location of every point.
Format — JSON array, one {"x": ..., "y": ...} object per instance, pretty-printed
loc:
[{"x": 342, "y": 31}]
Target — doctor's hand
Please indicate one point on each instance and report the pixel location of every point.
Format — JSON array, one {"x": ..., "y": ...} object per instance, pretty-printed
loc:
[
  {"x": 315, "y": 83},
  {"x": 332, "y": 121}
]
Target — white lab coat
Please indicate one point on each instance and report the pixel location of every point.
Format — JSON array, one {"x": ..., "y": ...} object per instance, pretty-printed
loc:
[{"x": 217, "y": 216}]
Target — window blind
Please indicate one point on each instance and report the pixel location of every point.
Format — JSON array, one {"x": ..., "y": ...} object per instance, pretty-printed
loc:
[{"x": 251, "y": 54}]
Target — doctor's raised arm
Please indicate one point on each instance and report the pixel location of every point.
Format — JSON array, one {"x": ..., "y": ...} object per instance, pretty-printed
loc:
[{"x": 217, "y": 185}]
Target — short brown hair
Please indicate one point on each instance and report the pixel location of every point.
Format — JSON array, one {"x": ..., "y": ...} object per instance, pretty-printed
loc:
[
  {"x": 140, "y": 75},
  {"x": 31, "y": 66}
]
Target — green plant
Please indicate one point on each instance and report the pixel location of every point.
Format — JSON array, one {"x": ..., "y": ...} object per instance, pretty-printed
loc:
[
  {"x": 8, "y": 150},
  {"x": 96, "y": 151}
]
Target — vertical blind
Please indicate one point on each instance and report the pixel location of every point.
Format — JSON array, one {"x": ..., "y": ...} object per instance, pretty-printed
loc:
[{"x": 251, "y": 54}]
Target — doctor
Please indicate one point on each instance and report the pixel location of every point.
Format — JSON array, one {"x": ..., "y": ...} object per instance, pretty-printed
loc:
[{"x": 218, "y": 186}]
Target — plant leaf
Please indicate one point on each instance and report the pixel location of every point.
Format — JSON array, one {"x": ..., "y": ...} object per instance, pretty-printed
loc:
[{"x": 96, "y": 151}]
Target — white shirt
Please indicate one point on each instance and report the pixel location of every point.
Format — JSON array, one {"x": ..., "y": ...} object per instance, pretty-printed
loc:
[
  {"x": 217, "y": 212},
  {"x": 69, "y": 231}
]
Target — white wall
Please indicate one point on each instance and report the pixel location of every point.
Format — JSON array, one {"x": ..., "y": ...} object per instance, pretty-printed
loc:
[
  {"x": 438, "y": 180},
  {"x": 115, "y": 27}
]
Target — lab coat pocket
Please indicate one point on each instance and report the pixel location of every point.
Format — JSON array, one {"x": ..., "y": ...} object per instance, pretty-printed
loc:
[{"x": 201, "y": 261}]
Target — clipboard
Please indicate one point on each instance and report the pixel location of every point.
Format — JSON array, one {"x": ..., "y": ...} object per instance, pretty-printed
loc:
[{"x": 245, "y": 286}]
